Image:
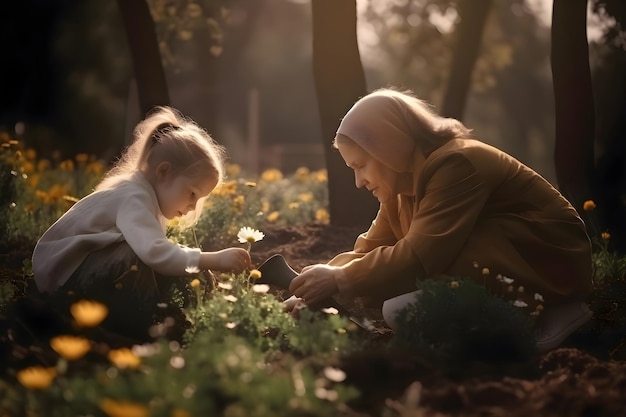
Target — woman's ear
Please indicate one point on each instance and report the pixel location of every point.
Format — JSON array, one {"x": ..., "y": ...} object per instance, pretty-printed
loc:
[{"x": 163, "y": 170}]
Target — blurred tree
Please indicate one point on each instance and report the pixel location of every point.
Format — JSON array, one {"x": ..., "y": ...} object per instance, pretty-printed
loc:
[
  {"x": 608, "y": 66},
  {"x": 507, "y": 103},
  {"x": 573, "y": 101},
  {"x": 468, "y": 41},
  {"x": 190, "y": 35},
  {"x": 339, "y": 82},
  {"x": 144, "y": 49}
]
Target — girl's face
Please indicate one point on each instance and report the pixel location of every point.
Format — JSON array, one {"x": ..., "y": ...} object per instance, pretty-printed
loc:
[
  {"x": 178, "y": 194},
  {"x": 383, "y": 182}
]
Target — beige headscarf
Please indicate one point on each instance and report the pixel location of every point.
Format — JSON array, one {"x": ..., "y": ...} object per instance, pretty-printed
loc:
[
  {"x": 377, "y": 124},
  {"x": 388, "y": 124}
]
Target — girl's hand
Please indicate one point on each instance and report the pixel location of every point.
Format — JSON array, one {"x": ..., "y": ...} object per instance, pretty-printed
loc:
[
  {"x": 315, "y": 284},
  {"x": 230, "y": 260}
]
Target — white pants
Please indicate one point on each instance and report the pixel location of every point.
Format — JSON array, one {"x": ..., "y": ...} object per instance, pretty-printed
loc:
[{"x": 392, "y": 306}]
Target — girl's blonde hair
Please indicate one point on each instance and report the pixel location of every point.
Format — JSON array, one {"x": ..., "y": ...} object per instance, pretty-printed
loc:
[{"x": 165, "y": 135}]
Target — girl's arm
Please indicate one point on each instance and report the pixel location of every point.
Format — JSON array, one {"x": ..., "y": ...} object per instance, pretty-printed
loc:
[{"x": 230, "y": 259}]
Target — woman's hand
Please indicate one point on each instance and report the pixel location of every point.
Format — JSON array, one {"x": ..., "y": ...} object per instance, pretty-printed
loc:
[
  {"x": 315, "y": 284},
  {"x": 230, "y": 260}
]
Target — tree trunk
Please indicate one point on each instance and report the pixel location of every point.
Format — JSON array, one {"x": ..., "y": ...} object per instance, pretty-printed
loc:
[
  {"x": 144, "y": 49},
  {"x": 468, "y": 36},
  {"x": 573, "y": 101},
  {"x": 339, "y": 82}
]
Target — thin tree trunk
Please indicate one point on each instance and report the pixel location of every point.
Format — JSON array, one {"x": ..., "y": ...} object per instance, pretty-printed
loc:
[
  {"x": 339, "y": 82},
  {"x": 468, "y": 39},
  {"x": 573, "y": 100},
  {"x": 144, "y": 49}
]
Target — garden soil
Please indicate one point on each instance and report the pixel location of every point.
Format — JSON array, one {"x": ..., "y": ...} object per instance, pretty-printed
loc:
[{"x": 585, "y": 377}]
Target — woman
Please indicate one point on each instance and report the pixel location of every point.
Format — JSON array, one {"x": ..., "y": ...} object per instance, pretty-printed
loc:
[{"x": 449, "y": 202}]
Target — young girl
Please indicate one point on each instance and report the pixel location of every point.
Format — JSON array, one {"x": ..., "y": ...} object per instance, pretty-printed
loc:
[{"x": 111, "y": 245}]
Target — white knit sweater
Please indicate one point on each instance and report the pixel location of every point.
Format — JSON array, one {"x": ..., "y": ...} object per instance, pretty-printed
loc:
[{"x": 127, "y": 212}]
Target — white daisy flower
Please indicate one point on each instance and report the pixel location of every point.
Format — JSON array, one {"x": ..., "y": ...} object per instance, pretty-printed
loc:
[{"x": 249, "y": 235}]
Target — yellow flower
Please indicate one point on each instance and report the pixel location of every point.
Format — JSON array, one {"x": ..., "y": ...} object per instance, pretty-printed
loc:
[
  {"x": 124, "y": 358},
  {"x": 185, "y": 35},
  {"x": 589, "y": 205},
  {"x": 95, "y": 167},
  {"x": 454, "y": 284},
  {"x": 250, "y": 184},
  {"x": 57, "y": 191},
  {"x": 67, "y": 165},
  {"x": 43, "y": 165},
  {"x": 321, "y": 175},
  {"x": 485, "y": 271},
  {"x": 255, "y": 274},
  {"x": 233, "y": 170},
  {"x": 249, "y": 235},
  {"x": 238, "y": 202},
  {"x": 28, "y": 167},
  {"x": 265, "y": 206},
  {"x": 195, "y": 283},
  {"x": 301, "y": 174},
  {"x": 293, "y": 206},
  {"x": 306, "y": 197},
  {"x": 271, "y": 175},
  {"x": 33, "y": 180},
  {"x": 88, "y": 313},
  {"x": 322, "y": 216},
  {"x": 179, "y": 412},
  {"x": 115, "y": 408},
  {"x": 606, "y": 236},
  {"x": 70, "y": 347},
  {"x": 30, "y": 154},
  {"x": 81, "y": 158},
  {"x": 36, "y": 377},
  {"x": 273, "y": 216},
  {"x": 227, "y": 188}
]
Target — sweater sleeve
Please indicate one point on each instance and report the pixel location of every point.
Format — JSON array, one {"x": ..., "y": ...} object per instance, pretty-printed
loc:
[
  {"x": 453, "y": 195},
  {"x": 146, "y": 237}
]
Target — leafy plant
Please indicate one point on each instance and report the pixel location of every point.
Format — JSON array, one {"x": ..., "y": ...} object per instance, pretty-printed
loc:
[{"x": 461, "y": 321}]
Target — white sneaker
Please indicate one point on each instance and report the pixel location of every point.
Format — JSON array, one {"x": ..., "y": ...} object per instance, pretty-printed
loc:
[{"x": 556, "y": 323}]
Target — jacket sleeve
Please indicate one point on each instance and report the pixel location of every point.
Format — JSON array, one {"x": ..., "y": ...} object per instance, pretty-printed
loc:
[
  {"x": 379, "y": 234},
  {"x": 453, "y": 195},
  {"x": 146, "y": 237}
]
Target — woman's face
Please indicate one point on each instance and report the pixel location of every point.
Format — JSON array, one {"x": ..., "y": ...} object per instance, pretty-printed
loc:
[{"x": 383, "y": 182}]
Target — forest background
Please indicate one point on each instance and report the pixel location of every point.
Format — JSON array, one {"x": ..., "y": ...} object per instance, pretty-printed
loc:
[{"x": 244, "y": 70}]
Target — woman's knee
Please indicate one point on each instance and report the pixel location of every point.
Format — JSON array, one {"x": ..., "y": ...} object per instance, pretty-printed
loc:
[{"x": 393, "y": 306}]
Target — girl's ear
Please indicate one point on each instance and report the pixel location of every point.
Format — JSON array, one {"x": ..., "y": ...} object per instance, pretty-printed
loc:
[{"x": 163, "y": 170}]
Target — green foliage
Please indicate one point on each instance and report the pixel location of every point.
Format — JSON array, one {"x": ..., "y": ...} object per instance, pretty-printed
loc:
[
  {"x": 323, "y": 334},
  {"x": 461, "y": 321},
  {"x": 273, "y": 199},
  {"x": 608, "y": 265},
  {"x": 234, "y": 308},
  {"x": 40, "y": 191},
  {"x": 240, "y": 308},
  {"x": 7, "y": 294},
  {"x": 217, "y": 378}
]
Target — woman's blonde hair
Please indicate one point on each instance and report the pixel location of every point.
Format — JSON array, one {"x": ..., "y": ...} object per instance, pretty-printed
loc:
[{"x": 165, "y": 135}]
